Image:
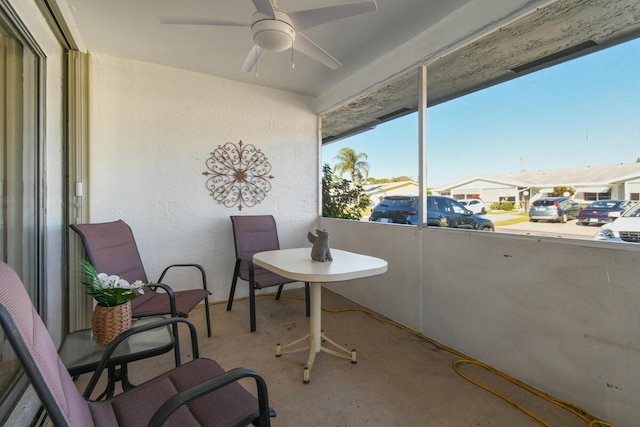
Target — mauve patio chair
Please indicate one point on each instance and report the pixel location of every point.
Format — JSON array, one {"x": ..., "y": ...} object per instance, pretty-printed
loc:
[
  {"x": 252, "y": 234},
  {"x": 112, "y": 249},
  {"x": 197, "y": 393}
]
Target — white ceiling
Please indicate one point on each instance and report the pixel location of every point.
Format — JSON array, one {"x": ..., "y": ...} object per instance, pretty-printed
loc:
[
  {"x": 554, "y": 32},
  {"x": 131, "y": 29}
]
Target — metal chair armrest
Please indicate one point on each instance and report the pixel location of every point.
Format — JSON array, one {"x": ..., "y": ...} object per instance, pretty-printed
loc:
[
  {"x": 198, "y": 266},
  {"x": 172, "y": 297},
  {"x": 185, "y": 396},
  {"x": 136, "y": 330}
]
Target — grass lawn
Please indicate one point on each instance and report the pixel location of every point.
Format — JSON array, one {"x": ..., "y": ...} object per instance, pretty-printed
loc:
[{"x": 519, "y": 217}]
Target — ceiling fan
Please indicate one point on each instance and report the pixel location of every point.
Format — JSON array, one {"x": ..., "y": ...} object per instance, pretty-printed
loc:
[{"x": 276, "y": 30}]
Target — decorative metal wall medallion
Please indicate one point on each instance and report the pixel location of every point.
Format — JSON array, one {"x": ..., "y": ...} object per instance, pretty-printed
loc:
[{"x": 240, "y": 175}]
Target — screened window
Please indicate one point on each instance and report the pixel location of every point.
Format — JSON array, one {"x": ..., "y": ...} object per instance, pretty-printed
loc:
[{"x": 517, "y": 141}]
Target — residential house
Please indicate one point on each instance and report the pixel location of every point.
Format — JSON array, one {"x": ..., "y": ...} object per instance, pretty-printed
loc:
[
  {"x": 621, "y": 181},
  {"x": 378, "y": 192}
]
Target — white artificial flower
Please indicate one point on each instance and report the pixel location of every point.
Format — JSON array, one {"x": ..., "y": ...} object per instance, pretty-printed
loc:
[
  {"x": 104, "y": 280},
  {"x": 138, "y": 286}
]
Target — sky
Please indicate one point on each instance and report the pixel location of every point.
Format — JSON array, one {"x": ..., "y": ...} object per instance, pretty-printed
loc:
[{"x": 584, "y": 112}]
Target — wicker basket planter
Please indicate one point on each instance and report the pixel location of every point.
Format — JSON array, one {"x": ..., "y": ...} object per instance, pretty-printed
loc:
[{"x": 109, "y": 322}]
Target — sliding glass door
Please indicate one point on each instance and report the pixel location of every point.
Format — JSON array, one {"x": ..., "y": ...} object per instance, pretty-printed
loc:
[{"x": 20, "y": 188}]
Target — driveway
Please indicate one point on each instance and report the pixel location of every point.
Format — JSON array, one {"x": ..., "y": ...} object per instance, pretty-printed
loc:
[
  {"x": 570, "y": 229},
  {"x": 541, "y": 228}
]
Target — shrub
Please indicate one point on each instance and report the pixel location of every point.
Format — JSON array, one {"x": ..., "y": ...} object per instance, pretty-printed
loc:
[
  {"x": 341, "y": 199},
  {"x": 502, "y": 206}
]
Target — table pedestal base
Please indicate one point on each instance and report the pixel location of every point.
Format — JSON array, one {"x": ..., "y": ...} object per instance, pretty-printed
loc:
[
  {"x": 315, "y": 338},
  {"x": 338, "y": 351}
]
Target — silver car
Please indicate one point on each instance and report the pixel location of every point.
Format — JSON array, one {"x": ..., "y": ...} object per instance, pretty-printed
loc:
[{"x": 559, "y": 209}]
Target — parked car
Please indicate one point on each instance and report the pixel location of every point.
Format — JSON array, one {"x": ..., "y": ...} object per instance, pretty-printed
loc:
[
  {"x": 598, "y": 211},
  {"x": 624, "y": 228},
  {"x": 441, "y": 212},
  {"x": 559, "y": 209},
  {"x": 474, "y": 205}
]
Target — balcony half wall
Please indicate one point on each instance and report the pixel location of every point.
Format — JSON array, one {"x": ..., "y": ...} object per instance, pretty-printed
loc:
[{"x": 558, "y": 314}]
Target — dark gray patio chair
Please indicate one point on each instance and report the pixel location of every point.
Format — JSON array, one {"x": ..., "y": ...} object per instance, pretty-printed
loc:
[
  {"x": 112, "y": 249},
  {"x": 252, "y": 234},
  {"x": 196, "y": 393}
]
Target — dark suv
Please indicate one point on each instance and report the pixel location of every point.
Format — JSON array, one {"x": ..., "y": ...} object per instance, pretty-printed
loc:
[
  {"x": 441, "y": 212},
  {"x": 558, "y": 209}
]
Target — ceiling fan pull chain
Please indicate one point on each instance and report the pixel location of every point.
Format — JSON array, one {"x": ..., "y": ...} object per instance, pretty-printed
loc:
[
  {"x": 256, "y": 49},
  {"x": 293, "y": 66}
]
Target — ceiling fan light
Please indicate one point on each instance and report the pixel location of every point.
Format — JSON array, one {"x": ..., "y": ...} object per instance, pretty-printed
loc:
[
  {"x": 273, "y": 34},
  {"x": 275, "y": 40}
]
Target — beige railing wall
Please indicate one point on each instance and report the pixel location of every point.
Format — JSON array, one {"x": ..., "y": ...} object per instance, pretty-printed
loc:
[{"x": 559, "y": 314}]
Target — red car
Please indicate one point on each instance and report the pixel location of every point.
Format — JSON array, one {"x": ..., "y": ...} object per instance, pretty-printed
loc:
[{"x": 598, "y": 211}]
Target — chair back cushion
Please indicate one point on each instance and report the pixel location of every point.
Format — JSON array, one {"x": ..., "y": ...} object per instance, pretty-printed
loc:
[
  {"x": 254, "y": 233},
  {"x": 38, "y": 355},
  {"x": 112, "y": 249}
]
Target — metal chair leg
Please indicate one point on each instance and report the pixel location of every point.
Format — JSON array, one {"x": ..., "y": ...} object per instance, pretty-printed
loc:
[
  {"x": 232, "y": 292},
  {"x": 206, "y": 310},
  {"x": 252, "y": 306}
]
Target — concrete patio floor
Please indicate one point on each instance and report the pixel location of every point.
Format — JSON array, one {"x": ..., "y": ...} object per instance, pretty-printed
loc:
[{"x": 400, "y": 379}]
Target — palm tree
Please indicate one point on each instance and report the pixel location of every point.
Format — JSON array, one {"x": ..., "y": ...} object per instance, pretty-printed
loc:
[{"x": 353, "y": 163}]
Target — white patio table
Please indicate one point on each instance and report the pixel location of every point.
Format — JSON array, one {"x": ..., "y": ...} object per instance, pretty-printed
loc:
[{"x": 297, "y": 264}]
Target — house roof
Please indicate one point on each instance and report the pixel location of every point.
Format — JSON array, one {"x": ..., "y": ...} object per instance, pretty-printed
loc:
[
  {"x": 370, "y": 189},
  {"x": 593, "y": 177}
]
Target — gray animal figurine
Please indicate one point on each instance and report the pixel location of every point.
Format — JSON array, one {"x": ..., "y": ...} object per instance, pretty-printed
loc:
[{"x": 320, "y": 250}]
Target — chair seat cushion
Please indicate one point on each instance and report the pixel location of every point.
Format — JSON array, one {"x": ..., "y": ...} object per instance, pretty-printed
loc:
[
  {"x": 228, "y": 406},
  {"x": 156, "y": 303}
]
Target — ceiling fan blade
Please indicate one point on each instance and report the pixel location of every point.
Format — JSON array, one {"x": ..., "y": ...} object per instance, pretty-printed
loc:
[
  {"x": 304, "y": 45},
  {"x": 186, "y": 20},
  {"x": 265, "y": 7},
  {"x": 306, "y": 19},
  {"x": 252, "y": 58}
]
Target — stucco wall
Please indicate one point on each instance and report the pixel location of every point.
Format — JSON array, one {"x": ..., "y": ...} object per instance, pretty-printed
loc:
[
  {"x": 154, "y": 127},
  {"x": 396, "y": 293},
  {"x": 559, "y": 314}
]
